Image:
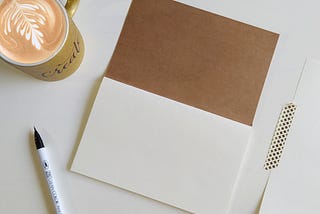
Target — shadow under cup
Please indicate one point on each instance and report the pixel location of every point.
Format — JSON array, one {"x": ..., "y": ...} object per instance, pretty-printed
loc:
[{"x": 62, "y": 62}]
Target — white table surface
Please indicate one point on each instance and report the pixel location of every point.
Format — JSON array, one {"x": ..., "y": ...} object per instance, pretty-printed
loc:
[{"x": 60, "y": 109}]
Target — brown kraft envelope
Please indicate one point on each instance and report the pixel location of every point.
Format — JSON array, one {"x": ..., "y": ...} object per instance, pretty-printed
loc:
[{"x": 194, "y": 57}]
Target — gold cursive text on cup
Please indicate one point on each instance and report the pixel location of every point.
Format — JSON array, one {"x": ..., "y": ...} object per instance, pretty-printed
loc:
[{"x": 61, "y": 67}]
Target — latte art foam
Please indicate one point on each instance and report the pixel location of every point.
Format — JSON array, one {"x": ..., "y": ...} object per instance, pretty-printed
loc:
[{"x": 31, "y": 30}]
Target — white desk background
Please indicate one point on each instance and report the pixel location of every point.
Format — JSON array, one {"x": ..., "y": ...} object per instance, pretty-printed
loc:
[{"x": 60, "y": 109}]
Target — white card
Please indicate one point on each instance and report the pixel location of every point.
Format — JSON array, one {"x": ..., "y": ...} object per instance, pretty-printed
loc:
[
  {"x": 162, "y": 149},
  {"x": 294, "y": 186}
]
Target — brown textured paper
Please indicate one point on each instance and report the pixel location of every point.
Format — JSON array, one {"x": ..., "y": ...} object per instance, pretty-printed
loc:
[{"x": 194, "y": 57}]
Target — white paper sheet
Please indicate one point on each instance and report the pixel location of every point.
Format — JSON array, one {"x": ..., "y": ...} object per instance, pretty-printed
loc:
[
  {"x": 161, "y": 149},
  {"x": 294, "y": 186}
]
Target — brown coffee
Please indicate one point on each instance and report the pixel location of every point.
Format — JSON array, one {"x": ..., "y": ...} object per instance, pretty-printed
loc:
[{"x": 31, "y": 31}]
